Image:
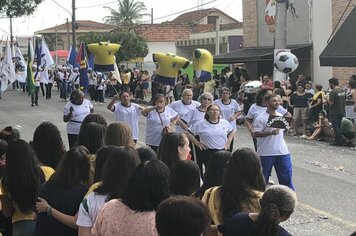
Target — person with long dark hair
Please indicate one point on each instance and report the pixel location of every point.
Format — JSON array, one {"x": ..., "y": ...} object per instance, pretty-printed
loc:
[
  {"x": 118, "y": 169},
  {"x": 214, "y": 174},
  {"x": 59, "y": 198},
  {"x": 23, "y": 178},
  {"x": 242, "y": 188},
  {"x": 277, "y": 205},
  {"x": 102, "y": 155},
  {"x": 48, "y": 144},
  {"x": 134, "y": 213},
  {"x": 92, "y": 136},
  {"x": 185, "y": 178},
  {"x": 74, "y": 113},
  {"x": 173, "y": 148}
]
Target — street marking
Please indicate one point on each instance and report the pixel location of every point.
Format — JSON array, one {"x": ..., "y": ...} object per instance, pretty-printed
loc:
[{"x": 330, "y": 216}]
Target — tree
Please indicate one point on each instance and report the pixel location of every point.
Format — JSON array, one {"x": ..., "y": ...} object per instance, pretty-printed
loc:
[
  {"x": 51, "y": 41},
  {"x": 132, "y": 45},
  {"x": 18, "y": 8},
  {"x": 129, "y": 12}
]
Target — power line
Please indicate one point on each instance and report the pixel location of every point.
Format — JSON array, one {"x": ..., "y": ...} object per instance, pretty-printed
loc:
[
  {"x": 62, "y": 7},
  {"x": 98, "y": 5},
  {"x": 172, "y": 14}
]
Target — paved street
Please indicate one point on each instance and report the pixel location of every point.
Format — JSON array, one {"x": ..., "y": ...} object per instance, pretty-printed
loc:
[{"x": 324, "y": 176}]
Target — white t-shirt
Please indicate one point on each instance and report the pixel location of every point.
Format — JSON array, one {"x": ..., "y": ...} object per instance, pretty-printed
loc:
[
  {"x": 89, "y": 209},
  {"x": 256, "y": 110},
  {"x": 129, "y": 115},
  {"x": 227, "y": 110},
  {"x": 214, "y": 136},
  {"x": 183, "y": 109},
  {"x": 193, "y": 116},
  {"x": 272, "y": 145},
  {"x": 79, "y": 113},
  {"x": 154, "y": 126}
]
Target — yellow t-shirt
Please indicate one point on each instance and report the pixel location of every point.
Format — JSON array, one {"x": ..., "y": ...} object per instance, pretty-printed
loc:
[
  {"x": 19, "y": 215},
  {"x": 211, "y": 198},
  {"x": 209, "y": 86}
]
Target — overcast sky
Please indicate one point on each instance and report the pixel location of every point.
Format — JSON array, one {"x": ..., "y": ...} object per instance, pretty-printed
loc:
[{"x": 49, "y": 14}]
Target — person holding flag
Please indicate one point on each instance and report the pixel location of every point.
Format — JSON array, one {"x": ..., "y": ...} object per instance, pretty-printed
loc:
[
  {"x": 83, "y": 68},
  {"x": 30, "y": 80}
]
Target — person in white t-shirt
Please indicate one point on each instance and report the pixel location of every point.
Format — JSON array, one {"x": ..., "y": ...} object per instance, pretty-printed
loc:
[
  {"x": 230, "y": 109},
  {"x": 126, "y": 112},
  {"x": 74, "y": 113},
  {"x": 185, "y": 105},
  {"x": 37, "y": 78},
  {"x": 257, "y": 109},
  {"x": 116, "y": 173},
  {"x": 271, "y": 146},
  {"x": 214, "y": 134},
  {"x": 159, "y": 117}
]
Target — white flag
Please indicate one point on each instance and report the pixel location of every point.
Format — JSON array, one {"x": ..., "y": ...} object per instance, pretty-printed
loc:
[
  {"x": 46, "y": 58},
  {"x": 21, "y": 72},
  {"x": 116, "y": 73},
  {"x": 7, "y": 71}
]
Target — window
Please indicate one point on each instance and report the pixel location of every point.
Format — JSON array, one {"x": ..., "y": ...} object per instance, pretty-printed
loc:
[{"x": 212, "y": 19}]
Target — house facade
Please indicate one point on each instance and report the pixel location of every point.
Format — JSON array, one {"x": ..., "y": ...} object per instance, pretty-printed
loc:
[{"x": 312, "y": 24}]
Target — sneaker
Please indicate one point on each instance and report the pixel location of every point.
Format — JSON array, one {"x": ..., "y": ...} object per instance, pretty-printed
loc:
[
  {"x": 303, "y": 136},
  {"x": 37, "y": 104},
  {"x": 32, "y": 105},
  {"x": 270, "y": 181}
]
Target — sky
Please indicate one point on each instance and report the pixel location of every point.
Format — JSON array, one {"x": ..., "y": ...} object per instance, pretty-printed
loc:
[{"x": 48, "y": 13}]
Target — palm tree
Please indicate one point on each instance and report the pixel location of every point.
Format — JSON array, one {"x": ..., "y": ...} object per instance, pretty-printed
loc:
[{"x": 129, "y": 12}]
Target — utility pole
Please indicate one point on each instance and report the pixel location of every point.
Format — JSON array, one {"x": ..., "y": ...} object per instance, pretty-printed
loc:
[
  {"x": 68, "y": 38},
  {"x": 151, "y": 16},
  {"x": 74, "y": 25},
  {"x": 280, "y": 34},
  {"x": 56, "y": 49},
  {"x": 217, "y": 38},
  {"x": 11, "y": 35}
]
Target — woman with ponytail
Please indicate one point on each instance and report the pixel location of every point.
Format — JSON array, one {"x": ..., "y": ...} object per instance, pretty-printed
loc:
[{"x": 277, "y": 205}]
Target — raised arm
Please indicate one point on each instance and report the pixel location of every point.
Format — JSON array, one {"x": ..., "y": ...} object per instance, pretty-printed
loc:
[{"x": 111, "y": 104}]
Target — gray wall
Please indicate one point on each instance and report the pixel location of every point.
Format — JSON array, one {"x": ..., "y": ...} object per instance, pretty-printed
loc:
[{"x": 297, "y": 29}]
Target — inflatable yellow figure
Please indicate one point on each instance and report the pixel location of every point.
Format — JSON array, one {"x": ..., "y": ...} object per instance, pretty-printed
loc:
[
  {"x": 202, "y": 64},
  {"x": 168, "y": 66},
  {"x": 104, "y": 55}
]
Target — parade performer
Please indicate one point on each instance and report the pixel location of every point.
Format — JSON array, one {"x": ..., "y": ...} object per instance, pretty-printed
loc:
[
  {"x": 168, "y": 66},
  {"x": 202, "y": 64},
  {"x": 74, "y": 113},
  {"x": 126, "y": 112},
  {"x": 104, "y": 55},
  {"x": 271, "y": 146}
]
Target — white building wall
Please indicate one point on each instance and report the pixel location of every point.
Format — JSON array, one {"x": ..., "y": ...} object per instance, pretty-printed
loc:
[
  {"x": 321, "y": 25},
  {"x": 223, "y": 19},
  {"x": 225, "y": 33},
  {"x": 168, "y": 47}
]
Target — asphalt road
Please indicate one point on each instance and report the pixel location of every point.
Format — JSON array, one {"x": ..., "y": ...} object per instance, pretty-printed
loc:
[{"x": 324, "y": 176}]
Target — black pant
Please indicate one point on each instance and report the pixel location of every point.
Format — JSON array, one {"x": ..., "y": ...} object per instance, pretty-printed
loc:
[
  {"x": 34, "y": 96},
  {"x": 203, "y": 157},
  {"x": 15, "y": 85},
  {"x": 72, "y": 140},
  {"x": 99, "y": 96},
  {"x": 49, "y": 90},
  {"x": 42, "y": 89},
  {"x": 92, "y": 92},
  {"x": 336, "y": 123}
]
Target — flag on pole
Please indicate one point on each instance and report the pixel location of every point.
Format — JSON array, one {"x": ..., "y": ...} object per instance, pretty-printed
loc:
[
  {"x": 30, "y": 80},
  {"x": 72, "y": 57},
  {"x": 46, "y": 61},
  {"x": 91, "y": 61},
  {"x": 21, "y": 73},
  {"x": 116, "y": 73},
  {"x": 7, "y": 69},
  {"x": 83, "y": 68}
]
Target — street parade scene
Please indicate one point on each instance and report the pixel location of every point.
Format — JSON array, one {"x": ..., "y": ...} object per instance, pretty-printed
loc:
[{"x": 189, "y": 118}]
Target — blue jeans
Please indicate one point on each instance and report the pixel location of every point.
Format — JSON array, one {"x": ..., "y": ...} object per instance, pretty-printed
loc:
[
  {"x": 283, "y": 166},
  {"x": 24, "y": 228}
]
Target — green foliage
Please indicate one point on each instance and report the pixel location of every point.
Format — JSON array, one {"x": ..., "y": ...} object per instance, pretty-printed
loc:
[
  {"x": 18, "y": 8},
  {"x": 132, "y": 45},
  {"x": 51, "y": 42},
  {"x": 129, "y": 12}
]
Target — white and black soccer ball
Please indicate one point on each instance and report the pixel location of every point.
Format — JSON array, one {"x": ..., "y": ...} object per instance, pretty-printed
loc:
[{"x": 286, "y": 62}]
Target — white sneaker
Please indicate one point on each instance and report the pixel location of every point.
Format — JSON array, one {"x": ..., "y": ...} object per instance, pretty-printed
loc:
[{"x": 303, "y": 136}]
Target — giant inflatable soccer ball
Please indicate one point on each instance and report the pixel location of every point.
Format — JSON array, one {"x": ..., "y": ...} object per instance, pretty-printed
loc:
[{"x": 286, "y": 62}]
